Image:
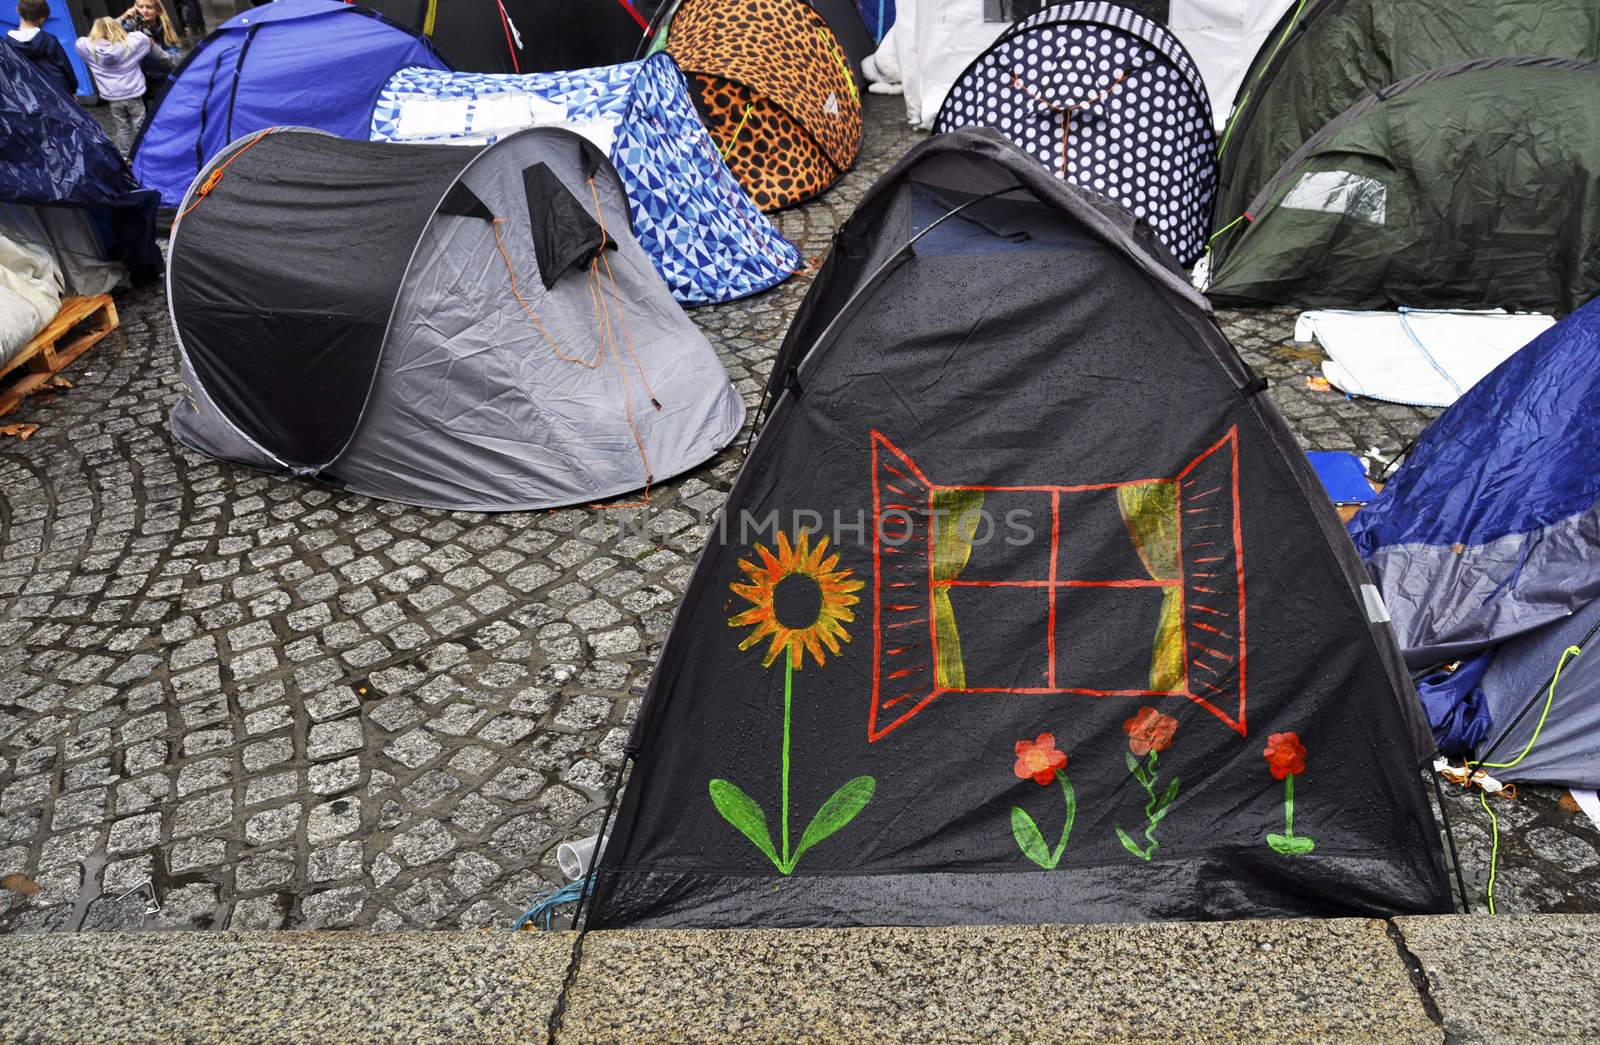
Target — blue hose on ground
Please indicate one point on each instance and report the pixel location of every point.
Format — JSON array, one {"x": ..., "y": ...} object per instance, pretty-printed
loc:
[{"x": 544, "y": 908}]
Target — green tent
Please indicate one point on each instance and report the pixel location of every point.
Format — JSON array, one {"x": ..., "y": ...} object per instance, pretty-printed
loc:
[
  {"x": 1327, "y": 55},
  {"x": 1473, "y": 185}
]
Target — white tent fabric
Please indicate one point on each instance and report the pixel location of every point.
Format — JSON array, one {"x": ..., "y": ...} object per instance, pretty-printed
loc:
[
  {"x": 932, "y": 42},
  {"x": 1416, "y": 357},
  {"x": 30, "y": 294},
  {"x": 1224, "y": 36}
]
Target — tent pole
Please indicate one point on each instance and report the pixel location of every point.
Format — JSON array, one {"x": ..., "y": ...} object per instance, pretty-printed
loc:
[
  {"x": 893, "y": 260},
  {"x": 594, "y": 863},
  {"x": 1450, "y": 838}
]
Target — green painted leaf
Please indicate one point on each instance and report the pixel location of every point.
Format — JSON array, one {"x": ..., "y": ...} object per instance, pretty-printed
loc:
[
  {"x": 1295, "y": 845},
  {"x": 1133, "y": 765},
  {"x": 1029, "y": 840},
  {"x": 740, "y": 810},
  {"x": 840, "y": 808},
  {"x": 1131, "y": 846}
]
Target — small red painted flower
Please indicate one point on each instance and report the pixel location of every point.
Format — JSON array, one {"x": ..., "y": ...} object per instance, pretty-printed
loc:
[
  {"x": 1149, "y": 731},
  {"x": 1285, "y": 755},
  {"x": 1039, "y": 759}
]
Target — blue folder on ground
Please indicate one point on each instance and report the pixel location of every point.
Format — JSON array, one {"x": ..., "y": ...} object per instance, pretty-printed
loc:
[{"x": 1343, "y": 476}]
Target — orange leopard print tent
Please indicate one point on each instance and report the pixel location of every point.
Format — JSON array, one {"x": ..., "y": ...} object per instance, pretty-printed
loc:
[{"x": 775, "y": 90}]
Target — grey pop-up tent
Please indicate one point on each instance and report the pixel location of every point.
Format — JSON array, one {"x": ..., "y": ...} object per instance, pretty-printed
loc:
[{"x": 449, "y": 327}]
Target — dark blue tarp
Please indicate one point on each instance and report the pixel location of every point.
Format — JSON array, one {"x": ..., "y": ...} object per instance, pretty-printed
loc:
[
  {"x": 1488, "y": 539},
  {"x": 299, "y": 63},
  {"x": 53, "y": 154}
]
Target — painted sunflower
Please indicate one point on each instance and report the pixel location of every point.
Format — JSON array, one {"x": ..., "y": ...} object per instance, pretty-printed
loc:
[{"x": 799, "y": 598}]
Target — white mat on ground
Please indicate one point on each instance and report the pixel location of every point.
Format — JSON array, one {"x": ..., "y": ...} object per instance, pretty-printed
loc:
[{"x": 1417, "y": 357}]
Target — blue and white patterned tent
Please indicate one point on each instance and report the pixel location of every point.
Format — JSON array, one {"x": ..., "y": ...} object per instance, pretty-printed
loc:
[{"x": 705, "y": 236}]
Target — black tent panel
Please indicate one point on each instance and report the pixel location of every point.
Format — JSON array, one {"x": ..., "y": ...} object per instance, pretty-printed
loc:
[
  {"x": 844, "y": 18},
  {"x": 524, "y": 36},
  {"x": 310, "y": 335},
  {"x": 1024, "y": 608},
  {"x": 565, "y": 237},
  {"x": 462, "y": 202}
]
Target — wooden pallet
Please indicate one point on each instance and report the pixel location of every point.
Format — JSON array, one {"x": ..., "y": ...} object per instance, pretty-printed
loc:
[{"x": 78, "y": 327}]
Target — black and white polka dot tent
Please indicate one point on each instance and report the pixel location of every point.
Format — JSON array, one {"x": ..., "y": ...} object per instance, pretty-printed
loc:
[{"x": 1110, "y": 101}]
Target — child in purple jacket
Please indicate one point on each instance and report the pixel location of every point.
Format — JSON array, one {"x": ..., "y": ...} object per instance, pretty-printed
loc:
[{"x": 113, "y": 55}]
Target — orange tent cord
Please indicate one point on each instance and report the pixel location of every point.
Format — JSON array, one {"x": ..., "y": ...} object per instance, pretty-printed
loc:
[
  {"x": 627, "y": 332},
  {"x": 216, "y": 176},
  {"x": 1067, "y": 111},
  {"x": 608, "y": 338},
  {"x": 512, "y": 272}
]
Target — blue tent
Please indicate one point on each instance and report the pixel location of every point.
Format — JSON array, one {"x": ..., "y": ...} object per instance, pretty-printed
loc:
[
  {"x": 1486, "y": 548},
  {"x": 60, "y": 26},
  {"x": 706, "y": 238},
  {"x": 53, "y": 154},
  {"x": 879, "y": 16},
  {"x": 301, "y": 63}
]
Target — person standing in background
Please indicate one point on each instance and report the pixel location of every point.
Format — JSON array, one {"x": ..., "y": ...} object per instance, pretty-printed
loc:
[
  {"x": 40, "y": 47},
  {"x": 193, "y": 19},
  {"x": 150, "y": 18},
  {"x": 113, "y": 55}
]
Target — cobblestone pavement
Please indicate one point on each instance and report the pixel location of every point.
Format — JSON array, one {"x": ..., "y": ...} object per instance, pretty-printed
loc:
[{"x": 284, "y": 706}]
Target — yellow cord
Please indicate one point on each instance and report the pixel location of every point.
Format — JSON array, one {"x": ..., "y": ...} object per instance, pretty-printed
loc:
[
  {"x": 735, "y": 139},
  {"x": 1494, "y": 847},
  {"x": 1566, "y": 654},
  {"x": 833, "y": 49},
  {"x": 1227, "y": 131},
  {"x": 1483, "y": 796},
  {"x": 1224, "y": 228}
]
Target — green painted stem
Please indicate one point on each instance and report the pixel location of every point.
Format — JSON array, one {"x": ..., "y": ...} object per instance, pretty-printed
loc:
[
  {"x": 1150, "y": 818},
  {"x": 1071, "y": 802},
  {"x": 1288, "y": 806},
  {"x": 789, "y": 677}
]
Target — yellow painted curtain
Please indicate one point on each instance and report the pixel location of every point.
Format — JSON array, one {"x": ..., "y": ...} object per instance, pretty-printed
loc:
[{"x": 1150, "y": 512}]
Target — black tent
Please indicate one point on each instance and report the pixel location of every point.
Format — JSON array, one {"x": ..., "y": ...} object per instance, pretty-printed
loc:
[
  {"x": 844, "y": 18},
  {"x": 525, "y": 36},
  {"x": 972, "y": 642}
]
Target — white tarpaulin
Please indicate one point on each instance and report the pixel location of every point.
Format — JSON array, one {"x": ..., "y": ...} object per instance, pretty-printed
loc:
[
  {"x": 1415, "y": 357},
  {"x": 933, "y": 41},
  {"x": 1223, "y": 36}
]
